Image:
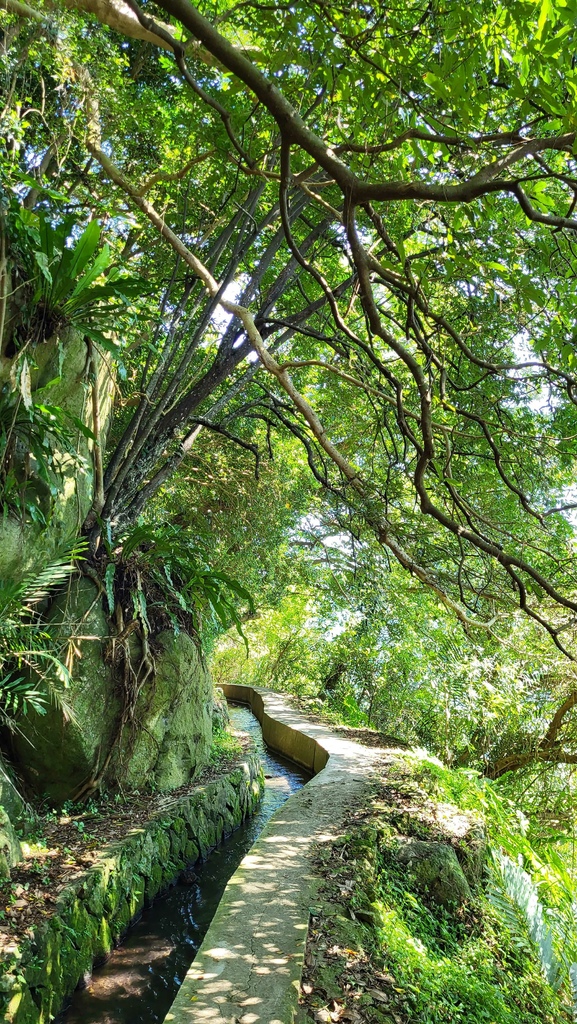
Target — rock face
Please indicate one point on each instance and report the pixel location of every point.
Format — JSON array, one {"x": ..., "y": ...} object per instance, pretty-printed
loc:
[
  {"x": 436, "y": 871},
  {"x": 167, "y": 744},
  {"x": 85, "y": 734},
  {"x": 173, "y": 719},
  {"x": 62, "y": 749},
  {"x": 61, "y": 375},
  {"x": 220, "y": 715}
]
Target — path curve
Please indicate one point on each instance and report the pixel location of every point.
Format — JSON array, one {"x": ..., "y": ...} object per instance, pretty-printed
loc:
[{"x": 249, "y": 966}]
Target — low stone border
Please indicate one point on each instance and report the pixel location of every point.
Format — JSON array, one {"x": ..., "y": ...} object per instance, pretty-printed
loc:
[
  {"x": 94, "y": 912},
  {"x": 283, "y": 730},
  {"x": 249, "y": 967}
]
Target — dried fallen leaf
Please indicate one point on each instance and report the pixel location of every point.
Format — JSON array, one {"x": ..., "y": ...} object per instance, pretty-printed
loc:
[
  {"x": 387, "y": 978},
  {"x": 375, "y": 993},
  {"x": 323, "y": 1016}
]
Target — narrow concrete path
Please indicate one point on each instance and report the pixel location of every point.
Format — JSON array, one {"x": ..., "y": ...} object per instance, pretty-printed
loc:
[{"x": 249, "y": 966}]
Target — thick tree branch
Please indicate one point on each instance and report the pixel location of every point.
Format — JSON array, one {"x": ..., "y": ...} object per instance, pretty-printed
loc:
[
  {"x": 548, "y": 749},
  {"x": 357, "y": 191}
]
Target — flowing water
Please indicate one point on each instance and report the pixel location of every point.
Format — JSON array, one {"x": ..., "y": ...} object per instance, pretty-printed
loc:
[{"x": 140, "y": 980}]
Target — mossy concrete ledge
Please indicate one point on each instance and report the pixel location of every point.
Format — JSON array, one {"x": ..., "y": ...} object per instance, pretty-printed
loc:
[
  {"x": 95, "y": 910},
  {"x": 249, "y": 967}
]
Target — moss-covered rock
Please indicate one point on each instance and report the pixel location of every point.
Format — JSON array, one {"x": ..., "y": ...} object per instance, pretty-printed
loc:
[
  {"x": 58, "y": 751},
  {"x": 10, "y": 797},
  {"x": 472, "y": 854},
  {"x": 435, "y": 870},
  {"x": 168, "y": 743},
  {"x": 173, "y": 719},
  {"x": 61, "y": 372},
  {"x": 220, "y": 715},
  {"x": 10, "y": 851}
]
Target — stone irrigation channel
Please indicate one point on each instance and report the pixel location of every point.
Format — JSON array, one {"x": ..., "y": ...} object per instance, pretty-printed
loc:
[{"x": 249, "y": 966}]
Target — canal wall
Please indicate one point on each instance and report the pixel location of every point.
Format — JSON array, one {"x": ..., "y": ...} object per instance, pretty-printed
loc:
[
  {"x": 290, "y": 735},
  {"x": 95, "y": 911},
  {"x": 249, "y": 967}
]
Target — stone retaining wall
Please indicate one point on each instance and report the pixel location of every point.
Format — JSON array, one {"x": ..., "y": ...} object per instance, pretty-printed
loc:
[{"x": 95, "y": 911}]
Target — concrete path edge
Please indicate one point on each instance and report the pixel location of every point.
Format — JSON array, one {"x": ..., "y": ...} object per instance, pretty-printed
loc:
[{"x": 249, "y": 967}]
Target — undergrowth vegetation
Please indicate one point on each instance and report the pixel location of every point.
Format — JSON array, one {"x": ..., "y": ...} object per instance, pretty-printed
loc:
[
  {"x": 389, "y": 951},
  {"x": 225, "y": 748},
  {"x": 469, "y": 968},
  {"x": 531, "y": 887}
]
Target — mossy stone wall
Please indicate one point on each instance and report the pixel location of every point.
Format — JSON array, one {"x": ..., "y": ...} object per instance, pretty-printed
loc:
[
  {"x": 61, "y": 379},
  {"x": 93, "y": 913}
]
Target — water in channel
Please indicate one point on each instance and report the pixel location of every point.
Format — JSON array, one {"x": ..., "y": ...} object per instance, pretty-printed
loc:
[{"x": 140, "y": 980}]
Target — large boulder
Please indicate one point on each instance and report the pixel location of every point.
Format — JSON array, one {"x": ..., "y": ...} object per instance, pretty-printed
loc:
[
  {"x": 62, "y": 750},
  {"x": 435, "y": 870},
  {"x": 169, "y": 742},
  {"x": 163, "y": 743}
]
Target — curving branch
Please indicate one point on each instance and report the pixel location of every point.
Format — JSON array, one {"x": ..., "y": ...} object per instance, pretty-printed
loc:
[
  {"x": 549, "y": 749},
  {"x": 412, "y": 362},
  {"x": 356, "y": 190}
]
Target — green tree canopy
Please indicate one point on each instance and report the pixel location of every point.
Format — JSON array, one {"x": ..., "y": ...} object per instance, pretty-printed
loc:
[{"x": 356, "y": 225}]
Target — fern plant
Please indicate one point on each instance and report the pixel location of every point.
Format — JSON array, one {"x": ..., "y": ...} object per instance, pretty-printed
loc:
[
  {"x": 65, "y": 277},
  {"x": 28, "y": 436},
  {"x": 31, "y": 673},
  {"x": 524, "y": 894},
  {"x": 531, "y": 888},
  {"x": 553, "y": 931},
  {"x": 183, "y": 585}
]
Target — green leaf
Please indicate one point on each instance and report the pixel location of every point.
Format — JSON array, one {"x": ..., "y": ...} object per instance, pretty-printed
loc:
[
  {"x": 545, "y": 15},
  {"x": 98, "y": 267},
  {"x": 109, "y": 585},
  {"x": 106, "y": 343},
  {"x": 42, "y": 261},
  {"x": 85, "y": 248}
]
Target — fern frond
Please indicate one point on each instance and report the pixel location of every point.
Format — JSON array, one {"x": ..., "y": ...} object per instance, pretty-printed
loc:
[
  {"x": 31, "y": 674},
  {"x": 524, "y": 894}
]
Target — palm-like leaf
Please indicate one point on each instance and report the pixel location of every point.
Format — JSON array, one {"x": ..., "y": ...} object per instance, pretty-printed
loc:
[
  {"x": 177, "y": 570},
  {"x": 30, "y": 672}
]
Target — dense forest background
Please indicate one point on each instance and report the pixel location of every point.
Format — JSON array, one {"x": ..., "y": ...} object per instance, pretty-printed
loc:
[{"x": 288, "y": 365}]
